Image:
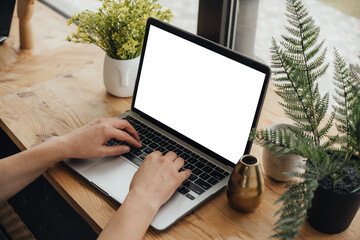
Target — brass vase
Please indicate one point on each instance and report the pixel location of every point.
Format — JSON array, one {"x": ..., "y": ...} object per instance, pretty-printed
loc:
[{"x": 246, "y": 186}]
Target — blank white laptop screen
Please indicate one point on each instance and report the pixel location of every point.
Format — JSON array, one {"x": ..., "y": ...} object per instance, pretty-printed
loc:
[{"x": 205, "y": 96}]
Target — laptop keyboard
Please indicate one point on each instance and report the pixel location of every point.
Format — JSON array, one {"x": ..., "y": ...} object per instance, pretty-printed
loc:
[{"x": 204, "y": 174}]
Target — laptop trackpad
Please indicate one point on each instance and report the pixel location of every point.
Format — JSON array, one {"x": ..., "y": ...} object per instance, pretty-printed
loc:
[{"x": 113, "y": 175}]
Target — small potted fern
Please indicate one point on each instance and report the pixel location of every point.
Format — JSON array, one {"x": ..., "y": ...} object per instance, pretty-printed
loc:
[{"x": 327, "y": 191}]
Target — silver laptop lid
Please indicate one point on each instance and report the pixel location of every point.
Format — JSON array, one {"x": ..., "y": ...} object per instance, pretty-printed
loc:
[{"x": 202, "y": 92}]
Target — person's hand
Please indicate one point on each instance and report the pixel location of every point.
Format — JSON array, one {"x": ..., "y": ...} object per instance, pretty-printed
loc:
[
  {"x": 157, "y": 178},
  {"x": 89, "y": 141},
  {"x": 152, "y": 185}
]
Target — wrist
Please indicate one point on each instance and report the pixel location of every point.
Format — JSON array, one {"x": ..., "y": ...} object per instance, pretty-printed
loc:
[
  {"x": 132, "y": 219},
  {"x": 147, "y": 206},
  {"x": 57, "y": 148}
]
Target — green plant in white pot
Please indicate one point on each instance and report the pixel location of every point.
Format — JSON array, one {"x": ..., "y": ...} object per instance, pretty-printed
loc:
[
  {"x": 118, "y": 27},
  {"x": 327, "y": 191}
]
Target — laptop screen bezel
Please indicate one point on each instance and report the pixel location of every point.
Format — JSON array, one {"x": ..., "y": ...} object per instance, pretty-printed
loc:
[{"x": 213, "y": 47}]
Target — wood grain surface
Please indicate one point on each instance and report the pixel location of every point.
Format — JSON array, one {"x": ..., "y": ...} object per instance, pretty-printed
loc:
[{"x": 61, "y": 89}]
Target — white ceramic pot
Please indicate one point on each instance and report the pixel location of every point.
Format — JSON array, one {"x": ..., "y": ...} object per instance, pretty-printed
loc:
[
  {"x": 274, "y": 166},
  {"x": 120, "y": 75}
]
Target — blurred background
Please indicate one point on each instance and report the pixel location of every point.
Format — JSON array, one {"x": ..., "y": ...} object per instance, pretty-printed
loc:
[{"x": 247, "y": 26}]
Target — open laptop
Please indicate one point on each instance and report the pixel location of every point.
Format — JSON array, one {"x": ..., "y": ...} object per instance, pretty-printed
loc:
[
  {"x": 193, "y": 97},
  {"x": 6, "y": 13}
]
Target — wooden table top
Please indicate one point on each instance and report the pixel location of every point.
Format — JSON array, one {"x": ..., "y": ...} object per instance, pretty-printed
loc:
[{"x": 58, "y": 91}]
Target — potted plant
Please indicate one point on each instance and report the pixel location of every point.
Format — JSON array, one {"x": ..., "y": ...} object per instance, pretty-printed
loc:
[
  {"x": 118, "y": 27},
  {"x": 275, "y": 166},
  {"x": 330, "y": 180}
]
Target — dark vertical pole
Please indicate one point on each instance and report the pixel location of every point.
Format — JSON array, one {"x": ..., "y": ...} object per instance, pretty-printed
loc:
[
  {"x": 217, "y": 20},
  {"x": 210, "y": 19}
]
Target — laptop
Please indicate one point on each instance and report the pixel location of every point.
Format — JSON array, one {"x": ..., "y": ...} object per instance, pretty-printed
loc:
[
  {"x": 193, "y": 97},
  {"x": 6, "y": 13}
]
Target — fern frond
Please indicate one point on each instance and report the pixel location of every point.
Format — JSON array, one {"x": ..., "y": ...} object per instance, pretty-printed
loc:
[
  {"x": 278, "y": 141},
  {"x": 355, "y": 73},
  {"x": 330, "y": 142},
  {"x": 346, "y": 100},
  {"x": 298, "y": 62},
  {"x": 313, "y": 52},
  {"x": 354, "y": 128},
  {"x": 325, "y": 130}
]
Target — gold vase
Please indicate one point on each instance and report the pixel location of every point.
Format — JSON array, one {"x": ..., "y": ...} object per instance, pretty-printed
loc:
[{"x": 246, "y": 186}]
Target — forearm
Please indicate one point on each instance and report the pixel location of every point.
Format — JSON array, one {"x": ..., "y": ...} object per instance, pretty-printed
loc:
[
  {"x": 19, "y": 170},
  {"x": 131, "y": 220},
  {"x": 87, "y": 142}
]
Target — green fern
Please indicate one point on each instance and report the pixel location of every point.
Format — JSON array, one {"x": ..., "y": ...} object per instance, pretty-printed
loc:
[
  {"x": 347, "y": 111},
  {"x": 297, "y": 63},
  {"x": 298, "y": 195},
  {"x": 354, "y": 116},
  {"x": 345, "y": 99},
  {"x": 355, "y": 73},
  {"x": 354, "y": 133}
]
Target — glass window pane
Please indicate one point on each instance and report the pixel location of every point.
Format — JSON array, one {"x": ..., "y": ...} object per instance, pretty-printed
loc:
[
  {"x": 185, "y": 11},
  {"x": 339, "y": 25}
]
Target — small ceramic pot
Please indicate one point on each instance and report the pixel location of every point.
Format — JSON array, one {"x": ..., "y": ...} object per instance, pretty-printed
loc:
[
  {"x": 274, "y": 166},
  {"x": 246, "y": 186},
  {"x": 120, "y": 76}
]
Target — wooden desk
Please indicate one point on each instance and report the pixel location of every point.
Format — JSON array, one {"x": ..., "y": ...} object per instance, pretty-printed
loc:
[
  {"x": 58, "y": 91},
  {"x": 63, "y": 91}
]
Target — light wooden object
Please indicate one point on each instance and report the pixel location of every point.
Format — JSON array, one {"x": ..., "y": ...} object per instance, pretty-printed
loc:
[
  {"x": 15, "y": 227},
  {"x": 25, "y": 10},
  {"x": 50, "y": 30},
  {"x": 60, "y": 90}
]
